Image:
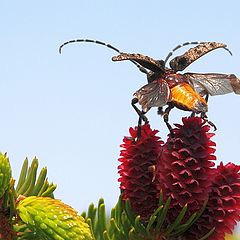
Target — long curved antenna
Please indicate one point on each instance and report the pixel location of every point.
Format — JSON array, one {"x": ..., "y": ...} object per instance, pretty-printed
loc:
[
  {"x": 185, "y": 44},
  {"x": 88, "y": 41},
  {"x": 142, "y": 69}
]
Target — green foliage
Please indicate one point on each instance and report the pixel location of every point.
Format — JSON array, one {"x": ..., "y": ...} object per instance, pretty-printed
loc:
[
  {"x": 24, "y": 233},
  {"x": 52, "y": 219},
  {"x": 33, "y": 213},
  {"x": 230, "y": 237},
  {"x": 31, "y": 185},
  {"x": 123, "y": 224},
  {"x": 5, "y": 173}
]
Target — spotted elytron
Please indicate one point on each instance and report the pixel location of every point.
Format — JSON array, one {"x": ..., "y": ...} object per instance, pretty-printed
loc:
[{"x": 166, "y": 87}]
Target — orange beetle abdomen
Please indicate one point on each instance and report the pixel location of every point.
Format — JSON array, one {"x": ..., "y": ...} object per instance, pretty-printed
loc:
[{"x": 184, "y": 97}]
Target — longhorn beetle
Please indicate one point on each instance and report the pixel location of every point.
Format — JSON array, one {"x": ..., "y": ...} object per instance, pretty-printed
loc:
[{"x": 166, "y": 87}]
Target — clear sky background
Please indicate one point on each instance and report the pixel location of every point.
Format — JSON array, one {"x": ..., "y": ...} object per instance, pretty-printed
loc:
[{"x": 72, "y": 110}]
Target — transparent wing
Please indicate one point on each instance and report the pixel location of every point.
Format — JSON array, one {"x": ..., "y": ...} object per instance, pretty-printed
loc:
[
  {"x": 213, "y": 83},
  {"x": 144, "y": 61},
  {"x": 154, "y": 94}
]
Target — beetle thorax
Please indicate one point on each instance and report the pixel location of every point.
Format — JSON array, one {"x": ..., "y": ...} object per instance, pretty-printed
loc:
[{"x": 174, "y": 79}]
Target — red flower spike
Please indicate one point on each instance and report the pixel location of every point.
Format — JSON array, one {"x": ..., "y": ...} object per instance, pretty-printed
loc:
[
  {"x": 223, "y": 208},
  {"x": 184, "y": 169},
  {"x": 137, "y": 179},
  {"x": 6, "y": 229}
]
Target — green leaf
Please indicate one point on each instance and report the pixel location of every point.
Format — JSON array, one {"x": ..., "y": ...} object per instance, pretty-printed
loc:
[
  {"x": 113, "y": 228},
  {"x": 102, "y": 226},
  {"x": 31, "y": 185},
  {"x": 92, "y": 212},
  {"x": 133, "y": 235},
  {"x": 43, "y": 188},
  {"x": 199, "y": 213},
  {"x": 105, "y": 235},
  {"x": 40, "y": 181},
  {"x": 139, "y": 227},
  {"x": 162, "y": 214},
  {"x": 160, "y": 201},
  {"x": 5, "y": 174},
  {"x": 23, "y": 174},
  {"x": 177, "y": 221},
  {"x": 51, "y": 188},
  {"x": 29, "y": 179},
  {"x": 208, "y": 234},
  {"x": 131, "y": 216},
  {"x": 84, "y": 215},
  {"x": 90, "y": 224},
  {"x": 185, "y": 226},
  {"x": 125, "y": 225},
  {"x": 30, "y": 188},
  {"x": 153, "y": 218},
  {"x": 117, "y": 210}
]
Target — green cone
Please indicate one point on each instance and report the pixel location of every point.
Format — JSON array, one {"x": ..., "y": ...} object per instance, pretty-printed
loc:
[
  {"x": 5, "y": 173},
  {"x": 52, "y": 219}
]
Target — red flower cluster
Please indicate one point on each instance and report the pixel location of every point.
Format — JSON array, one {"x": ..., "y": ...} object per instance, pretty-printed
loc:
[
  {"x": 6, "y": 231},
  {"x": 223, "y": 208},
  {"x": 184, "y": 168},
  {"x": 137, "y": 159},
  {"x": 185, "y": 172}
]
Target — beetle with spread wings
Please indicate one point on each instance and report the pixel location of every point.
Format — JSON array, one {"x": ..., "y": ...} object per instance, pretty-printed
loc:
[
  {"x": 166, "y": 87},
  {"x": 188, "y": 91}
]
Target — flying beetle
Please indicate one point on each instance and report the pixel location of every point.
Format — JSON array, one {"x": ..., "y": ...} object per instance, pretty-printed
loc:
[{"x": 167, "y": 87}]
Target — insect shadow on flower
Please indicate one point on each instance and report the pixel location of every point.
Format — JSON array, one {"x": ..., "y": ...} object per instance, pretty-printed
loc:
[{"x": 168, "y": 88}]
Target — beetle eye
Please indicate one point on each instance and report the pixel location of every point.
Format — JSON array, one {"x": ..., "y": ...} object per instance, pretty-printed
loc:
[{"x": 161, "y": 62}]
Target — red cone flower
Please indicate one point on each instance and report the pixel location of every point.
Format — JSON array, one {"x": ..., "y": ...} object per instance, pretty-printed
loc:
[
  {"x": 223, "y": 208},
  {"x": 6, "y": 229},
  {"x": 137, "y": 159},
  {"x": 184, "y": 169}
]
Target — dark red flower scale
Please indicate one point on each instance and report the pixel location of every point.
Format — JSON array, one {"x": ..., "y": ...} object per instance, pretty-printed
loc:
[
  {"x": 6, "y": 229},
  {"x": 184, "y": 170},
  {"x": 136, "y": 170},
  {"x": 223, "y": 207}
]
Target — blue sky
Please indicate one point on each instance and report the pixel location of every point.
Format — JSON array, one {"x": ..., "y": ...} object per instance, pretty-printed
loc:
[{"x": 72, "y": 110}]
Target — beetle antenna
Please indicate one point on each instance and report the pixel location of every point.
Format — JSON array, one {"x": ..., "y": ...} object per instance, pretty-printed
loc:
[
  {"x": 103, "y": 44},
  {"x": 88, "y": 41},
  {"x": 185, "y": 44}
]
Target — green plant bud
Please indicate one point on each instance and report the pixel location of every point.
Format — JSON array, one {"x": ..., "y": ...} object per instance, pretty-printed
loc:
[
  {"x": 5, "y": 173},
  {"x": 52, "y": 219}
]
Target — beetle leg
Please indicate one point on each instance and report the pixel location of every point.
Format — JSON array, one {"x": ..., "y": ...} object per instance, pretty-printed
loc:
[
  {"x": 206, "y": 98},
  {"x": 141, "y": 115},
  {"x": 139, "y": 128},
  {"x": 205, "y": 118},
  {"x": 165, "y": 118},
  {"x": 212, "y": 125},
  {"x": 160, "y": 111}
]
